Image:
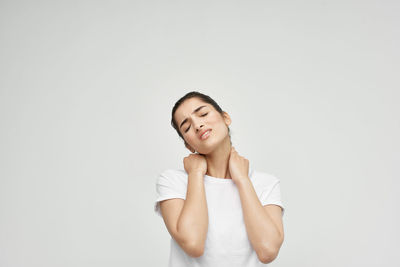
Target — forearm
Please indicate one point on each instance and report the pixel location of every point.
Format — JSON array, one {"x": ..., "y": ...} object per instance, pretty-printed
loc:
[
  {"x": 193, "y": 221},
  {"x": 262, "y": 232}
]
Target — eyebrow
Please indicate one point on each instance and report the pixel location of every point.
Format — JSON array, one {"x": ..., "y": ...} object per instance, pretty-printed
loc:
[{"x": 185, "y": 120}]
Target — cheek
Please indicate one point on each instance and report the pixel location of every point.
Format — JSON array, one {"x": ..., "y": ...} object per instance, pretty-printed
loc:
[
  {"x": 220, "y": 128},
  {"x": 191, "y": 137},
  {"x": 215, "y": 121}
]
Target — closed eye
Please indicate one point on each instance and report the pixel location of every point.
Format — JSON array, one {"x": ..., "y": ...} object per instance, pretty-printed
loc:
[{"x": 189, "y": 125}]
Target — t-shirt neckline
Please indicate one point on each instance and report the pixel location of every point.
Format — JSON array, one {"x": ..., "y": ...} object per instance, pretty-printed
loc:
[{"x": 223, "y": 180}]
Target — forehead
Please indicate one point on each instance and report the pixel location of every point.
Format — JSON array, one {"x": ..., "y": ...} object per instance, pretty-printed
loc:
[{"x": 187, "y": 107}]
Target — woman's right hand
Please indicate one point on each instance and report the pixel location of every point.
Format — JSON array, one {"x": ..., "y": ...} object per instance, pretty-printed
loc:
[{"x": 195, "y": 163}]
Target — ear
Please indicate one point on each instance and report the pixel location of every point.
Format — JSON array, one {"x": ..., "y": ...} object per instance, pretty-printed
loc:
[
  {"x": 189, "y": 147},
  {"x": 227, "y": 118}
]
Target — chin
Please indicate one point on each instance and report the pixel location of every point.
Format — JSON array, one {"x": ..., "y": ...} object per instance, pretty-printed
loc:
[
  {"x": 208, "y": 149},
  {"x": 212, "y": 145}
]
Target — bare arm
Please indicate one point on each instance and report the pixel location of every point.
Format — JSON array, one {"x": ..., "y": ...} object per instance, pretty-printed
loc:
[
  {"x": 193, "y": 220},
  {"x": 265, "y": 232}
]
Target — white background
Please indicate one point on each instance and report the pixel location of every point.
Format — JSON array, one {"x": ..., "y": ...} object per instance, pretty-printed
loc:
[{"x": 86, "y": 92}]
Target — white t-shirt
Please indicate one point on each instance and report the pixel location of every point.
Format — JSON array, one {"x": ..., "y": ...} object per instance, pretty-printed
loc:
[{"x": 227, "y": 243}]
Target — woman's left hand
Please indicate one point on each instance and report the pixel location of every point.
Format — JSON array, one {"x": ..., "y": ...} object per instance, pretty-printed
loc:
[{"x": 238, "y": 166}]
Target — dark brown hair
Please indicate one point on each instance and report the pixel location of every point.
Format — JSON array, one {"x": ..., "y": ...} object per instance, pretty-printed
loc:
[{"x": 204, "y": 98}]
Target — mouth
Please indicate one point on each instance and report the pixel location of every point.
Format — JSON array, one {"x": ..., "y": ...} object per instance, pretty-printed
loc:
[{"x": 205, "y": 134}]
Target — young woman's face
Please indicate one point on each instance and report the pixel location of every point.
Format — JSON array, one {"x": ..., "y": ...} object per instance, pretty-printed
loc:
[{"x": 194, "y": 117}]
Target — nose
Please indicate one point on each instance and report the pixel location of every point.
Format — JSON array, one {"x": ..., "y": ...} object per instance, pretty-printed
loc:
[
  {"x": 199, "y": 128},
  {"x": 198, "y": 125}
]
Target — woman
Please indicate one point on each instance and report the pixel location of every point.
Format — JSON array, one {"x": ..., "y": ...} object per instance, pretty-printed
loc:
[{"x": 218, "y": 211}]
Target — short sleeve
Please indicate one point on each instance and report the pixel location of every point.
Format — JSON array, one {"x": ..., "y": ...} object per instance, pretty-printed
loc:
[
  {"x": 169, "y": 185},
  {"x": 272, "y": 195}
]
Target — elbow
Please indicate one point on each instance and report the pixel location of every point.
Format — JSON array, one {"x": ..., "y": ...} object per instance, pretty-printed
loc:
[
  {"x": 194, "y": 250},
  {"x": 193, "y": 246},
  {"x": 267, "y": 255},
  {"x": 267, "y": 258}
]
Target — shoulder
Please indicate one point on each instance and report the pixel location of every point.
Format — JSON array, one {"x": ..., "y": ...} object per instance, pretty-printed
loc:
[
  {"x": 176, "y": 175},
  {"x": 263, "y": 179}
]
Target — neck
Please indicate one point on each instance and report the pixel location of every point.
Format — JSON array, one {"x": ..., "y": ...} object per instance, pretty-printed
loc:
[{"x": 218, "y": 160}]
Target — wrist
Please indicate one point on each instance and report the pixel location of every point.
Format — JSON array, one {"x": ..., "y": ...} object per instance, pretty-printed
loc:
[
  {"x": 242, "y": 181},
  {"x": 196, "y": 173}
]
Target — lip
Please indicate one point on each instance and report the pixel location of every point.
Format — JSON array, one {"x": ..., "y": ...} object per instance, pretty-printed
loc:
[{"x": 204, "y": 132}]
